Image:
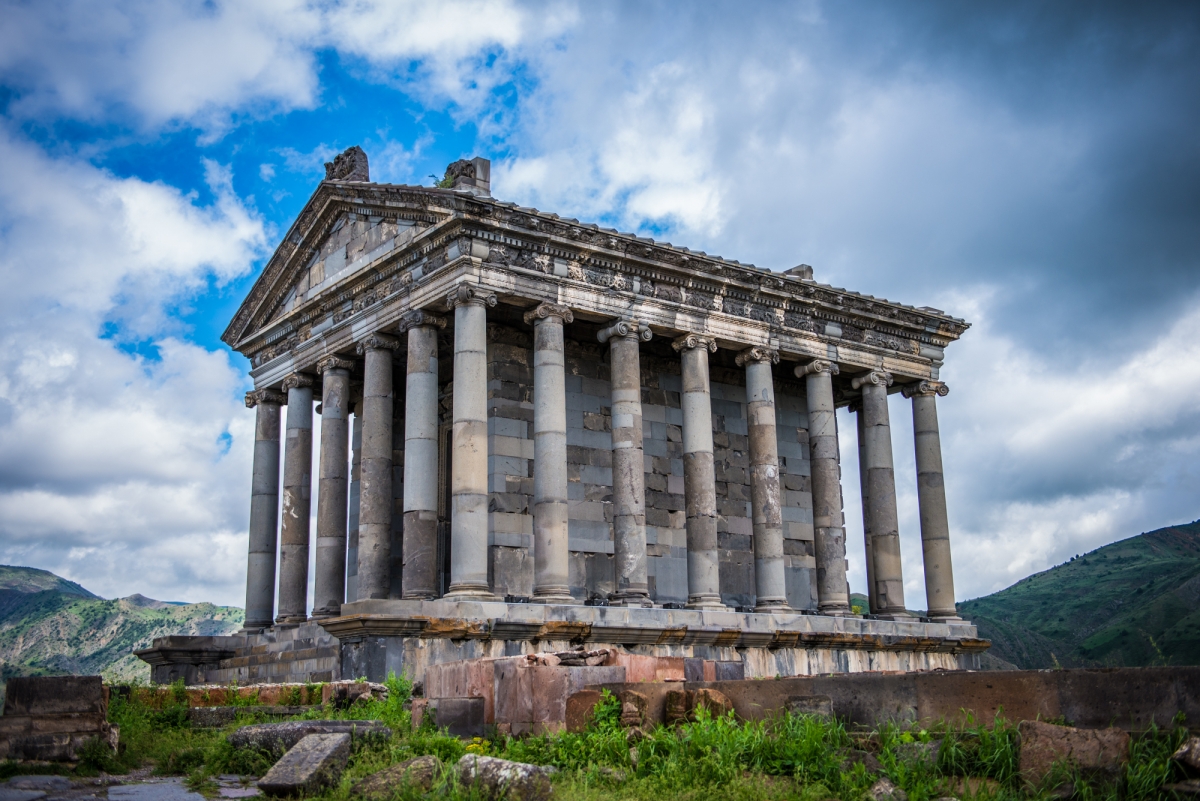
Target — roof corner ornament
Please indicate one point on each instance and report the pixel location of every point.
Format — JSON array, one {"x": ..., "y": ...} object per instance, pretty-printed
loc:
[{"x": 349, "y": 165}]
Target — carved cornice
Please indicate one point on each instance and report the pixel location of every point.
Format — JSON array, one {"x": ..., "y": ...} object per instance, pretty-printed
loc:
[
  {"x": 264, "y": 396},
  {"x": 464, "y": 294},
  {"x": 545, "y": 310},
  {"x": 757, "y": 354},
  {"x": 626, "y": 328},
  {"x": 693, "y": 341},
  {"x": 298, "y": 381},
  {"x": 817, "y": 366},
  {"x": 877, "y": 378},
  {"x": 925, "y": 388},
  {"x": 419, "y": 318},
  {"x": 376, "y": 342},
  {"x": 334, "y": 362}
]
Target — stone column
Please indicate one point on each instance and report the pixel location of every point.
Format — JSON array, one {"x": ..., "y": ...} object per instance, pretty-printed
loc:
[
  {"x": 297, "y": 497},
  {"x": 931, "y": 497},
  {"x": 551, "y": 579},
  {"x": 765, "y": 493},
  {"x": 882, "y": 519},
  {"x": 421, "y": 454},
  {"x": 468, "y": 480},
  {"x": 628, "y": 463},
  {"x": 375, "y": 470},
  {"x": 872, "y": 595},
  {"x": 333, "y": 494},
  {"x": 829, "y": 525},
  {"x": 264, "y": 509},
  {"x": 699, "y": 481}
]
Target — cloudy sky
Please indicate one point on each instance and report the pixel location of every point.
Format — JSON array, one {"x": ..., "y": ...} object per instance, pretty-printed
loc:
[{"x": 1031, "y": 167}]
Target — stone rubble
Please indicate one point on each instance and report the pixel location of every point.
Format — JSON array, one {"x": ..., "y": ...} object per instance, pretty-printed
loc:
[
  {"x": 497, "y": 778},
  {"x": 277, "y": 738}
]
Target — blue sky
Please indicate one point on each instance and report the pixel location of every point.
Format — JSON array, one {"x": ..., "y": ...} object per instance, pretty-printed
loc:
[{"x": 1031, "y": 168}]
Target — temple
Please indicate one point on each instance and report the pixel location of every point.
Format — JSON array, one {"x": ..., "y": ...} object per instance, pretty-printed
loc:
[{"x": 536, "y": 433}]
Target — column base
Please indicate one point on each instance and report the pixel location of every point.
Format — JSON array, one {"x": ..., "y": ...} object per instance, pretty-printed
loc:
[
  {"x": 770, "y": 605},
  {"x": 255, "y": 629},
  {"x": 291, "y": 620},
  {"x": 561, "y": 598},
  {"x": 896, "y": 616},
  {"x": 945, "y": 619},
  {"x": 470, "y": 592},
  {"x": 322, "y": 614},
  {"x": 836, "y": 611},
  {"x": 707, "y": 602},
  {"x": 633, "y": 600}
]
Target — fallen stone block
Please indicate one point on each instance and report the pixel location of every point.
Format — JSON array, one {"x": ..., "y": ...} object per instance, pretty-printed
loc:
[
  {"x": 49, "y": 718},
  {"x": 314, "y": 763},
  {"x": 460, "y": 717},
  {"x": 581, "y": 709},
  {"x": 633, "y": 709},
  {"x": 1094, "y": 751},
  {"x": 1188, "y": 755},
  {"x": 924, "y": 754},
  {"x": 419, "y": 773},
  {"x": 886, "y": 790},
  {"x": 342, "y": 694},
  {"x": 497, "y": 779},
  {"x": 810, "y": 705},
  {"x": 715, "y": 702},
  {"x": 277, "y": 738}
]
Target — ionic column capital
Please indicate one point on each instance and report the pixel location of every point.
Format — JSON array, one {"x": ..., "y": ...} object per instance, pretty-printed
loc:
[
  {"x": 545, "y": 310},
  {"x": 376, "y": 341},
  {"x": 469, "y": 295},
  {"x": 694, "y": 341},
  {"x": 297, "y": 381},
  {"x": 334, "y": 362},
  {"x": 418, "y": 318},
  {"x": 925, "y": 388},
  {"x": 632, "y": 329},
  {"x": 255, "y": 397},
  {"x": 817, "y": 366},
  {"x": 757, "y": 354},
  {"x": 877, "y": 378}
]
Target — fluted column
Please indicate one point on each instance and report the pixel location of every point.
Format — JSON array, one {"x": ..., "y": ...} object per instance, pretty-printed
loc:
[
  {"x": 329, "y": 590},
  {"x": 829, "y": 525},
  {"x": 881, "y": 492},
  {"x": 931, "y": 498},
  {"x": 628, "y": 463},
  {"x": 699, "y": 481},
  {"x": 375, "y": 469},
  {"x": 297, "y": 499},
  {"x": 551, "y": 557},
  {"x": 765, "y": 492},
  {"x": 468, "y": 480},
  {"x": 421, "y": 454},
  {"x": 264, "y": 509},
  {"x": 872, "y": 595}
]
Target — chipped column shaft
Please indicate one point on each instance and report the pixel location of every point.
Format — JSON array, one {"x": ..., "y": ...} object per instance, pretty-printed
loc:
[
  {"x": 264, "y": 509},
  {"x": 551, "y": 556},
  {"x": 872, "y": 595},
  {"x": 297, "y": 499},
  {"x": 699, "y": 480},
  {"x": 468, "y": 481},
  {"x": 829, "y": 525},
  {"x": 931, "y": 498},
  {"x": 375, "y": 469},
  {"x": 628, "y": 464},
  {"x": 421, "y": 454},
  {"x": 767, "y": 515},
  {"x": 881, "y": 492},
  {"x": 333, "y": 494}
]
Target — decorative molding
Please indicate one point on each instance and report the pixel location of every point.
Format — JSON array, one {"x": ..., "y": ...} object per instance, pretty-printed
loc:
[
  {"x": 757, "y": 354},
  {"x": 877, "y": 378},
  {"x": 545, "y": 310},
  {"x": 626, "y": 328},
  {"x": 258, "y": 396},
  {"x": 334, "y": 362},
  {"x": 376, "y": 341},
  {"x": 465, "y": 294},
  {"x": 925, "y": 388},
  {"x": 418, "y": 318},
  {"x": 298, "y": 381},
  {"x": 693, "y": 341},
  {"x": 817, "y": 366}
]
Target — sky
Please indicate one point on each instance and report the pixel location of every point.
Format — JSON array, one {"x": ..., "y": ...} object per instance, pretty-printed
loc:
[{"x": 1033, "y": 168}]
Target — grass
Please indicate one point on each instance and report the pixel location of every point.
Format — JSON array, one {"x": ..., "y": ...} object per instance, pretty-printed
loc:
[{"x": 796, "y": 757}]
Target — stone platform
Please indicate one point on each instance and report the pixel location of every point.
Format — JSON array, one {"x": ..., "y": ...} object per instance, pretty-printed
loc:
[{"x": 372, "y": 638}]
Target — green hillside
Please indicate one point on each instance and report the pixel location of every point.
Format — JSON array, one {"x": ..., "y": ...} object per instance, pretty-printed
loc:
[
  {"x": 49, "y": 625},
  {"x": 1135, "y": 602}
]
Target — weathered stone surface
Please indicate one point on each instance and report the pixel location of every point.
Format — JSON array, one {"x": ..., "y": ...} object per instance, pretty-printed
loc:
[
  {"x": 214, "y": 717},
  {"x": 715, "y": 702},
  {"x": 1188, "y": 755},
  {"x": 925, "y": 754},
  {"x": 1091, "y": 750},
  {"x": 13, "y": 794},
  {"x": 276, "y": 738},
  {"x": 676, "y": 707},
  {"x": 886, "y": 790},
  {"x": 460, "y": 717},
  {"x": 581, "y": 708},
  {"x": 316, "y": 762},
  {"x": 420, "y": 772},
  {"x": 810, "y": 705},
  {"x": 50, "y": 717},
  {"x": 868, "y": 760},
  {"x": 633, "y": 708},
  {"x": 48, "y": 784},
  {"x": 499, "y": 778}
]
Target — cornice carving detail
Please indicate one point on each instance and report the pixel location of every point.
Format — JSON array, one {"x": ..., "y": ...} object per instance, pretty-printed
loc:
[
  {"x": 817, "y": 366},
  {"x": 465, "y": 294},
  {"x": 925, "y": 388},
  {"x": 255, "y": 397},
  {"x": 693, "y": 341},
  {"x": 757, "y": 354},
  {"x": 545, "y": 310},
  {"x": 877, "y": 378},
  {"x": 298, "y": 381}
]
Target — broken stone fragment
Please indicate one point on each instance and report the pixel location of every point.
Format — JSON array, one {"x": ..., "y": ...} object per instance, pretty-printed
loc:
[
  {"x": 314, "y": 763},
  {"x": 496, "y": 779},
  {"x": 418, "y": 773},
  {"x": 810, "y": 705},
  {"x": 885, "y": 790},
  {"x": 1188, "y": 755},
  {"x": 1090, "y": 750},
  {"x": 633, "y": 709},
  {"x": 714, "y": 701},
  {"x": 276, "y": 738}
]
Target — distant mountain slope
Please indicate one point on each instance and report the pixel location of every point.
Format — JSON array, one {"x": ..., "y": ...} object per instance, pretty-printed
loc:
[
  {"x": 50, "y": 625},
  {"x": 1135, "y": 602}
]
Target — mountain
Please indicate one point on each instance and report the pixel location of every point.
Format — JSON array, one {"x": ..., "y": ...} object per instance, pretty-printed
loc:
[
  {"x": 1134, "y": 602},
  {"x": 49, "y": 625}
]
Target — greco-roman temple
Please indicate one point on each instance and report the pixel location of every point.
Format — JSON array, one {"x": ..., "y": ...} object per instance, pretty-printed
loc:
[{"x": 535, "y": 433}]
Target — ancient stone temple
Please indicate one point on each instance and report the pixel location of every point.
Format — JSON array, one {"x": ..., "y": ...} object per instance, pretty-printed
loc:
[{"x": 535, "y": 432}]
